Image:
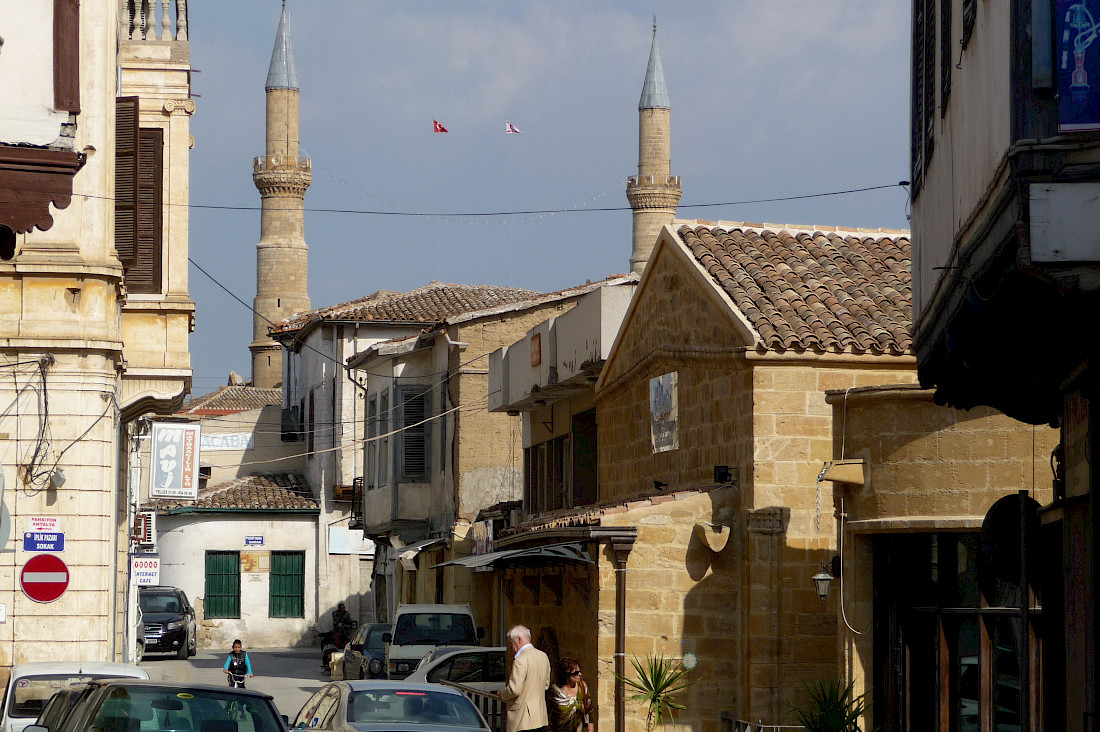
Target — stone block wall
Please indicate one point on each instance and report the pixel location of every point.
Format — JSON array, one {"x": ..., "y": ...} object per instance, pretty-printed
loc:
[
  {"x": 681, "y": 597},
  {"x": 488, "y": 461}
]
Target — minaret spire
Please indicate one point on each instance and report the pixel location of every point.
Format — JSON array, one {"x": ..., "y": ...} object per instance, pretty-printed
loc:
[
  {"x": 282, "y": 177},
  {"x": 654, "y": 192}
]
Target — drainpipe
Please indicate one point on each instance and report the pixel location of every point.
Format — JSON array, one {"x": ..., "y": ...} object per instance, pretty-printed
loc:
[{"x": 620, "y": 547}]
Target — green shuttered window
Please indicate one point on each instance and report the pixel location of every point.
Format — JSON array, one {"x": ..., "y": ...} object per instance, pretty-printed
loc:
[
  {"x": 287, "y": 587},
  {"x": 223, "y": 584}
]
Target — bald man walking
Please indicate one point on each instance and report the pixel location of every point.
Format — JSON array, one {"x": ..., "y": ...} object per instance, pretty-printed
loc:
[{"x": 525, "y": 693}]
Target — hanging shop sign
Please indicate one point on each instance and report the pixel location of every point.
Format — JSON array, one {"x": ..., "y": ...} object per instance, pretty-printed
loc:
[{"x": 175, "y": 461}]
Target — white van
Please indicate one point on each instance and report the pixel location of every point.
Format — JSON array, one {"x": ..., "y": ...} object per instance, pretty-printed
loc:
[
  {"x": 32, "y": 684},
  {"x": 418, "y": 629}
]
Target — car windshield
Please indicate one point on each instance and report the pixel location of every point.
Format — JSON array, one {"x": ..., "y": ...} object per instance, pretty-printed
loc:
[
  {"x": 388, "y": 706},
  {"x": 374, "y": 640},
  {"x": 29, "y": 694},
  {"x": 142, "y": 709},
  {"x": 434, "y": 629},
  {"x": 159, "y": 602}
]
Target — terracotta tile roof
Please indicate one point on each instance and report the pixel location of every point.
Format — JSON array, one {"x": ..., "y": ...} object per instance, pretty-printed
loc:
[
  {"x": 230, "y": 399},
  {"x": 813, "y": 288},
  {"x": 429, "y": 304},
  {"x": 259, "y": 491}
]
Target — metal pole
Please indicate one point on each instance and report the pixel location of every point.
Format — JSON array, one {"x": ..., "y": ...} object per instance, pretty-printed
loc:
[{"x": 621, "y": 549}]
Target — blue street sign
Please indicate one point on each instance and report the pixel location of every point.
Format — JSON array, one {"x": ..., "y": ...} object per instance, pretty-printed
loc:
[
  {"x": 253, "y": 541},
  {"x": 38, "y": 541}
]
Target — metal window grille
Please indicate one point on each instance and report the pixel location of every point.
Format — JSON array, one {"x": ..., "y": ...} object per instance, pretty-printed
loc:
[{"x": 223, "y": 584}]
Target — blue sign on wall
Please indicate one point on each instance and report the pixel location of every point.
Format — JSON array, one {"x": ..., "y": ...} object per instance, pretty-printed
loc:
[
  {"x": 37, "y": 541},
  {"x": 1078, "y": 66},
  {"x": 253, "y": 541}
]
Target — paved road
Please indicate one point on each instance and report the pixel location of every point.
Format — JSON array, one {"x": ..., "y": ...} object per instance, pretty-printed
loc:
[{"x": 290, "y": 675}]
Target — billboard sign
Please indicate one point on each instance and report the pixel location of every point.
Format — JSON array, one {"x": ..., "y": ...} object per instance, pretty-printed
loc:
[{"x": 175, "y": 460}]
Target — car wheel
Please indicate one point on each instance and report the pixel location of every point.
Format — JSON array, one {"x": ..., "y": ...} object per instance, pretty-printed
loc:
[
  {"x": 183, "y": 653},
  {"x": 194, "y": 647},
  {"x": 139, "y": 652}
]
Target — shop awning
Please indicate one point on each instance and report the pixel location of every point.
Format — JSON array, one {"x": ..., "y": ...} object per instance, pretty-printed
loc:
[
  {"x": 567, "y": 552},
  {"x": 407, "y": 554}
]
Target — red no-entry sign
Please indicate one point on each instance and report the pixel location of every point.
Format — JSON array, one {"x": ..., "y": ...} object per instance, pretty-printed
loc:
[{"x": 44, "y": 577}]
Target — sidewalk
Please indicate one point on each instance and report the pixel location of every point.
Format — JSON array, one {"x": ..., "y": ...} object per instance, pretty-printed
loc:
[{"x": 290, "y": 675}]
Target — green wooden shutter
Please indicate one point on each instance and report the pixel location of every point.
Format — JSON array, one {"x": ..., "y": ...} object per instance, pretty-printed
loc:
[
  {"x": 223, "y": 584},
  {"x": 287, "y": 586}
]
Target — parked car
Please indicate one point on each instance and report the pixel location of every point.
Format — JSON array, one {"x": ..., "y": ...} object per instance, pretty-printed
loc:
[
  {"x": 169, "y": 621},
  {"x": 479, "y": 668},
  {"x": 378, "y": 705},
  {"x": 59, "y": 705},
  {"x": 418, "y": 629},
  {"x": 31, "y": 685},
  {"x": 365, "y": 656},
  {"x": 133, "y": 705}
]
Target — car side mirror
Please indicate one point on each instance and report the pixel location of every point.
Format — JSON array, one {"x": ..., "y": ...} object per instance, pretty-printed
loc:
[
  {"x": 387, "y": 637},
  {"x": 357, "y": 647}
]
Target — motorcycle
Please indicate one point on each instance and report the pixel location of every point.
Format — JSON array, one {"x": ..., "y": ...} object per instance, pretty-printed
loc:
[{"x": 328, "y": 647}]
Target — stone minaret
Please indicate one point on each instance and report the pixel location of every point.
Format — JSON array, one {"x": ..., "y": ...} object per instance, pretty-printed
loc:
[
  {"x": 653, "y": 193},
  {"x": 282, "y": 176}
]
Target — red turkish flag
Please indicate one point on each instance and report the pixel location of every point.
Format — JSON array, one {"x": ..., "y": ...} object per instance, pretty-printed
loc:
[{"x": 438, "y": 127}]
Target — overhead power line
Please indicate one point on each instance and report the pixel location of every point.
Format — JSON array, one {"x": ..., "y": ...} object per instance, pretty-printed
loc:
[{"x": 527, "y": 212}]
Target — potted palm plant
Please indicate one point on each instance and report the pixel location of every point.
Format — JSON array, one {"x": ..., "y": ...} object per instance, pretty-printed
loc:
[
  {"x": 656, "y": 682},
  {"x": 832, "y": 707}
]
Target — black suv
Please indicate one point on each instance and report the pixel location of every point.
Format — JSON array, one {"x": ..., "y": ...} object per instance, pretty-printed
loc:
[{"x": 169, "y": 621}]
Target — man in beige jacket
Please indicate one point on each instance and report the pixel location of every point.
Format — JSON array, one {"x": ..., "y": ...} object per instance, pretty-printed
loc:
[{"x": 525, "y": 693}]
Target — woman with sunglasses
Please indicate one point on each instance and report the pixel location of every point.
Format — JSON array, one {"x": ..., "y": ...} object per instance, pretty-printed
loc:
[{"x": 571, "y": 708}]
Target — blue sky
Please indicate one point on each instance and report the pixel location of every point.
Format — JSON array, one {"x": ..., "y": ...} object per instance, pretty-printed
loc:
[{"x": 770, "y": 99}]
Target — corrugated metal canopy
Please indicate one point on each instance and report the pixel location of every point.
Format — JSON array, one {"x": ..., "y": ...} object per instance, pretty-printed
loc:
[{"x": 568, "y": 552}]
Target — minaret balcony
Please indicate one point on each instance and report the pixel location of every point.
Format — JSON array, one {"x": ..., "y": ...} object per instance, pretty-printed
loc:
[
  {"x": 153, "y": 21},
  {"x": 266, "y": 163},
  {"x": 660, "y": 192},
  {"x": 653, "y": 181}
]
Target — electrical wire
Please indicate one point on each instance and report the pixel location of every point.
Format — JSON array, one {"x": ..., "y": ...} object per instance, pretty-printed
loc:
[{"x": 526, "y": 212}]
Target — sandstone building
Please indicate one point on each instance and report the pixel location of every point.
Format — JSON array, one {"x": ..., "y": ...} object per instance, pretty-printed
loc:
[{"x": 94, "y": 145}]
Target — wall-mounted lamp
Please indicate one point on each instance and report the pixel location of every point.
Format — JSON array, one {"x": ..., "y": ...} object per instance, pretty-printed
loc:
[
  {"x": 659, "y": 485},
  {"x": 822, "y": 580}
]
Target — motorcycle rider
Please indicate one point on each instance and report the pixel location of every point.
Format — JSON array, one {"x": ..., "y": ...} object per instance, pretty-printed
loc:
[
  {"x": 342, "y": 625},
  {"x": 237, "y": 665}
]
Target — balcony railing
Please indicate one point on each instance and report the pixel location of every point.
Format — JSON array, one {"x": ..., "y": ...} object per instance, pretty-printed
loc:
[
  {"x": 153, "y": 21},
  {"x": 493, "y": 709},
  {"x": 274, "y": 162}
]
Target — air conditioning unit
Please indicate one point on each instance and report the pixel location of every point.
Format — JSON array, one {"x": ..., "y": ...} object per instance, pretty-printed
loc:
[{"x": 145, "y": 528}]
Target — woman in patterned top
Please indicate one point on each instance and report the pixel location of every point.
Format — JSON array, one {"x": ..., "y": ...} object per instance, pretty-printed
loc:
[{"x": 571, "y": 708}]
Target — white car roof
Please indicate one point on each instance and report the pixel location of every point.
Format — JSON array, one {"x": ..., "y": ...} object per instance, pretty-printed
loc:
[{"x": 82, "y": 668}]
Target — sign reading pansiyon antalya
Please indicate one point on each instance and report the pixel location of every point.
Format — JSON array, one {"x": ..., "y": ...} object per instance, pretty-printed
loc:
[{"x": 174, "y": 470}]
